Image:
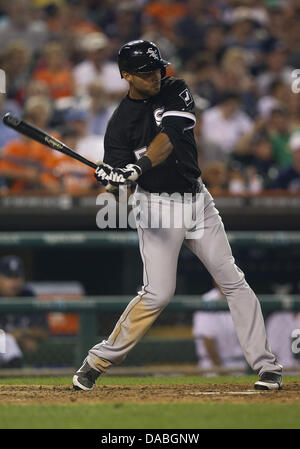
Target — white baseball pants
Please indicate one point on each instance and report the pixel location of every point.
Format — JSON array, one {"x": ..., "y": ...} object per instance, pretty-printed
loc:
[{"x": 159, "y": 248}]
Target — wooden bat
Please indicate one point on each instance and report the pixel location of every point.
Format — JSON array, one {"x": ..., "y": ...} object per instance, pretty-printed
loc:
[{"x": 37, "y": 134}]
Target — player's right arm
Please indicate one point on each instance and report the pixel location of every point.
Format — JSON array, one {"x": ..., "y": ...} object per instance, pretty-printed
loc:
[{"x": 159, "y": 149}]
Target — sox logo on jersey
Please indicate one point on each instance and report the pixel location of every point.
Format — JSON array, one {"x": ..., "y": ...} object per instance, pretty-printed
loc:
[{"x": 158, "y": 113}]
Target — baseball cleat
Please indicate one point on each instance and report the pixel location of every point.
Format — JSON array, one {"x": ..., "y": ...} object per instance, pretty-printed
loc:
[
  {"x": 85, "y": 377},
  {"x": 269, "y": 381}
]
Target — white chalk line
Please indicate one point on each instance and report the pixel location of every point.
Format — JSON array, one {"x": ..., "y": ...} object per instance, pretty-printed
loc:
[{"x": 206, "y": 393}]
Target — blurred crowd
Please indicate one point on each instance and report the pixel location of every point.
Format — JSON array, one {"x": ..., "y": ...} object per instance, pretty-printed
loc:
[{"x": 239, "y": 58}]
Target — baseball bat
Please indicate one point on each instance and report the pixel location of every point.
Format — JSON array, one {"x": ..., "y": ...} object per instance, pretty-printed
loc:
[{"x": 37, "y": 134}]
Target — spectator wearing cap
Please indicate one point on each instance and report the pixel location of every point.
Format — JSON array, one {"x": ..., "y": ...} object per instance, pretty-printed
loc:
[
  {"x": 289, "y": 177},
  {"x": 95, "y": 66},
  {"x": 23, "y": 332},
  {"x": 226, "y": 123}
]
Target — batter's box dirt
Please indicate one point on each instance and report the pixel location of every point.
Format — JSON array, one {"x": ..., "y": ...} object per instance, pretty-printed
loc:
[{"x": 26, "y": 394}]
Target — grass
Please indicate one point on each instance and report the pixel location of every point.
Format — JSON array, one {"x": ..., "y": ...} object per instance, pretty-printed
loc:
[
  {"x": 147, "y": 380},
  {"x": 151, "y": 416},
  {"x": 209, "y": 415}
]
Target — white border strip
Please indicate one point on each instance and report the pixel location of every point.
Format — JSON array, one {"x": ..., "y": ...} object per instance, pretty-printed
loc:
[{"x": 188, "y": 115}]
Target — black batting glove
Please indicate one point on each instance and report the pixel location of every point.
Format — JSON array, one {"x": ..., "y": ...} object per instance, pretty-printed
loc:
[{"x": 102, "y": 173}]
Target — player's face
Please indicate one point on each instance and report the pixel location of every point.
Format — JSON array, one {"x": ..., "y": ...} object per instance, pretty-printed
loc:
[{"x": 144, "y": 85}]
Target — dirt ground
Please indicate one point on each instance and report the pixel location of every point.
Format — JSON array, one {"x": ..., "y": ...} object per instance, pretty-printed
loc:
[{"x": 30, "y": 394}]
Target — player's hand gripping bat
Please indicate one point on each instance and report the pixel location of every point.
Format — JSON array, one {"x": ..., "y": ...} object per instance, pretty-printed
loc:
[{"x": 37, "y": 134}]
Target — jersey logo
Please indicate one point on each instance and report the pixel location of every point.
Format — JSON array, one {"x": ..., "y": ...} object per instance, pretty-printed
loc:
[
  {"x": 158, "y": 115},
  {"x": 153, "y": 53},
  {"x": 186, "y": 96}
]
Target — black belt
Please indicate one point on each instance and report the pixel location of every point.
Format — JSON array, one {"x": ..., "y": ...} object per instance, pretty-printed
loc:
[{"x": 194, "y": 189}]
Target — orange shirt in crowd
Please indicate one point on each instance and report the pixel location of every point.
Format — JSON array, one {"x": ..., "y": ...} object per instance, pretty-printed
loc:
[
  {"x": 60, "y": 83},
  {"x": 166, "y": 14},
  {"x": 47, "y": 169},
  {"x": 26, "y": 158},
  {"x": 75, "y": 177}
]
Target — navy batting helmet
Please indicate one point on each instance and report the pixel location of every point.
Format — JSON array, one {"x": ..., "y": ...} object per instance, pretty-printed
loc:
[{"x": 141, "y": 56}]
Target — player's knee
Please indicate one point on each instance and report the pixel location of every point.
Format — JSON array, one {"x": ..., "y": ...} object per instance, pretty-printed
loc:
[{"x": 160, "y": 298}]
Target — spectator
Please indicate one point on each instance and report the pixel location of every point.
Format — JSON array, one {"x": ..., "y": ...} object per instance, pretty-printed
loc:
[
  {"x": 236, "y": 180},
  {"x": 276, "y": 69},
  {"x": 242, "y": 35},
  {"x": 236, "y": 76},
  {"x": 167, "y": 12},
  {"x": 208, "y": 81},
  {"x": 278, "y": 128},
  {"x": 262, "y": 160},
  {"x": 100, "y": 109},
  {"x": 215, "y": 177},
  {"x": 190, "y": 28},
  {"x": 276, "y": 98},
  {"x": 56, "y": 72},
  {"x": 216, "y": 342},
  {"x": 207, "y": 150},
  {"x": 68, "y": 21},
  {"x": 281, "y": 327},
  {"x": 88, "y": 145},
  {"x": 95, "y": 66},
  {"x": 23, "y": 332},
  {"x": 6, "y": 133},
  {"x": 289, "y": 177},
  {"x": 226, "y": 123},
  {"x": 214, "y": 43},
  {"x": 126, "y": 26},
  {"x": 151, "y": 31},
  {"x": 75, "y": 178},
  {"x": 16, "y": 62},
  {"x": 23, "y": 161},
  {"x": 20, "y": 24},
  {"x": 292, "y": 40}
]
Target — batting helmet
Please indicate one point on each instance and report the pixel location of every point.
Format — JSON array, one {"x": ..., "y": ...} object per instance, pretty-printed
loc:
[{"x": 141, "y": 56}]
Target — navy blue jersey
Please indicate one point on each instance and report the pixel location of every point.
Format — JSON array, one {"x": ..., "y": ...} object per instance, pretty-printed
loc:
[{"x": 134, "y": 125}]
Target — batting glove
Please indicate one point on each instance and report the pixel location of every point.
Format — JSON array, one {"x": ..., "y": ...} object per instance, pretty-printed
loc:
[
  {"x": 121, "y": 176},
  {"x": 103, "y": 172}
]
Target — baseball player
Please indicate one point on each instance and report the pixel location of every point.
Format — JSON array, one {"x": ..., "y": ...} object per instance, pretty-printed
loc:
[{"x": 149, "y": 140}]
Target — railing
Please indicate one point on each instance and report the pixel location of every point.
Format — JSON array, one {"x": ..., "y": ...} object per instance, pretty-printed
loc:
[
  {"x": 121, "y": 239},
  {"x": 91, "y": 306}
]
